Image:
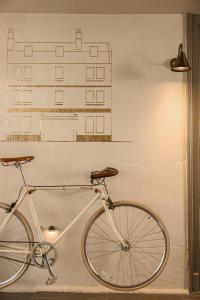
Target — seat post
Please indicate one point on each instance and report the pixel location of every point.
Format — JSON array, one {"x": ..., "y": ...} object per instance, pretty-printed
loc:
[{"x": 19, "y": 166}]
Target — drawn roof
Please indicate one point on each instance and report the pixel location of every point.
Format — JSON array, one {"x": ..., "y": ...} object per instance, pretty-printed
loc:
[{"x": 59, "y": 52}]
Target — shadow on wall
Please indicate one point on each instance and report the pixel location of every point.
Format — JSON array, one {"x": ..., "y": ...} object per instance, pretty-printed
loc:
[{"x": 130, "y": 71}]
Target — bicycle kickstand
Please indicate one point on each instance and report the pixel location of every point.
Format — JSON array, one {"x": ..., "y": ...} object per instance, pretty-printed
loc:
[{"x": 52, "y": 279}]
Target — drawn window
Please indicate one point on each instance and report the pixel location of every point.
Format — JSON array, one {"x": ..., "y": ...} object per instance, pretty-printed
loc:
[
  {"x": 27, "y": 96},
  {"x": 89, "y": 96},
  {"x": 59, "y": 97},
  {"x": 89, "y": 124},
  {"x": 17, "y": 72},
  {"x": 90, "y": 73},
  {"x": 28, "y": 51},
  {"x": 21, "y": 97},
  {"x": 93, "y": 51},
  {"x": 27, "y": 72},
  {"x": 27, "y": 124},
  {"x": 93, "y": 73},
  {"x": 100, "y": 73},
  {"x": 22, "y": 124},
  {"x": 16, "y": 124},
  {"x": 100, "y": 124},
  {"x": 16, "y": 95},
  {"x": 100, "y": 96},
  {"x": 59, "y": 51},
  {"x": 59, "y": 73}
]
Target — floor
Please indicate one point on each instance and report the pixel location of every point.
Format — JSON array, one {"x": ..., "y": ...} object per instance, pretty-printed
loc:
[{"x": 73, "y": 296}]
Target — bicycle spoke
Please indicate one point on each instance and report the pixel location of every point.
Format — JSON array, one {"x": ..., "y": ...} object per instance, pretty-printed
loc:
[
  {"x": 125, "y": 267},
  {"x": 143, "y": 247},
  {"x": 103, "y": 221},
  {"x": 152, "y": 240},
  {"x": 120, "y": 224},
  {"x": 119, "y": 266},
  {"x": 13, "y": 260},
  {"x": 151, "y": 263},
  {"x": 127, "y": 222},
  {"x": 10, "y": 246},
  {"x": 90, "y": 244},
  {"x": 137, "y": 226},
  {"x": 101, "y": 235},
  {"x": 111, "y": 254},
  {"x": 131, "y": 268},
  {"x": 144, "y": 235},
  {"x": 102, "y": 251},
  {"x": 140, "y": 263},
  {"x": 107, "y": 253},
  {"x": 106, "y": 234},
  {"x": 13, "y": 238},
  {"x": 134, "y": 219},
  {"x": 134, "y": 267},
  {"x": 13, "y": 266},
  {"x": 149, "y": 253},
  {"x": 13, "y": 228},
  {"x": 137, "y": 268},
  {"x": 100, "y": 238}
]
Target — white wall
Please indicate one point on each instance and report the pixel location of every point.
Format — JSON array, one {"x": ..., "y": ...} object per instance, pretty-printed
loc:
[{"x": 149, "y": 109}]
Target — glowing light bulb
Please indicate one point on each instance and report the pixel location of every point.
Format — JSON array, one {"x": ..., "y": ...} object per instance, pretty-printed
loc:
[{"x": 50, "y": 233}]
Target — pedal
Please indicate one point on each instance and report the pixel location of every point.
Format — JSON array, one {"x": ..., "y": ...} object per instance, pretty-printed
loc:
[{"x": 51, "y": 280}]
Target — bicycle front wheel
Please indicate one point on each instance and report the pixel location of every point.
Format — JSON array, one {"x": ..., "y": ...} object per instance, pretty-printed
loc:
[
  {"x": 131, "y": 267},
  {"x": 16, "y": 236}
]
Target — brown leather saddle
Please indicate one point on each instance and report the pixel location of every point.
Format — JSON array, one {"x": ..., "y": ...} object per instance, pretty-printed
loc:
[
  {"x": 14, "y": 160},
  {"x": 107, "y": 172}
]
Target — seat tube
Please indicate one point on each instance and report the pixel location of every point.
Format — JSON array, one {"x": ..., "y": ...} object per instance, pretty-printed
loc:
[
  {"x": 31, "y": 205},
  {"x": 35, "y": 219},
  {"x": 18, "y": 165}
]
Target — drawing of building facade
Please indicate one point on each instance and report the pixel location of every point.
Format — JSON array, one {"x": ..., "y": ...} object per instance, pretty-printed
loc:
[{"x": 59, "y": 91}]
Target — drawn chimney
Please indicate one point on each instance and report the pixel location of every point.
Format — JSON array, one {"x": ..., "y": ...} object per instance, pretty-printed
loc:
[
  {"x": 10, "y": 39},
  {"x": 78, "y": 40}
]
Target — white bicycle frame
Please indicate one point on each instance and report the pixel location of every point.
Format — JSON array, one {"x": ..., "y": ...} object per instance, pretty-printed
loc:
[{"x": 27, "y": 190}]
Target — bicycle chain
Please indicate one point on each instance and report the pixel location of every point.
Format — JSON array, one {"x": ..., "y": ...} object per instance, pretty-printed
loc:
[{"x": 17, "y": 260}]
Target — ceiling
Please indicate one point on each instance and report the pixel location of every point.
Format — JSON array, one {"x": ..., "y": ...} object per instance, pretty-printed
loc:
[{"x": 100, "y": 6}]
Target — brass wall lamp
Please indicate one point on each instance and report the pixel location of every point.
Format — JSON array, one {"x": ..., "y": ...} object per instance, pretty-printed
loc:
[{"x": 180, "y": 63}]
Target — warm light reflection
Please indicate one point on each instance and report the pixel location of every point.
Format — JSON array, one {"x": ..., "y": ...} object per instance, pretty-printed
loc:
[
  {"x": 50, "y": 233},
  {"x": 165, "y": 122}
]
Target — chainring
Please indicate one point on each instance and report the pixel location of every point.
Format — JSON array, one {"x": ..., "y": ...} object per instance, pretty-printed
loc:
[{"x": 41, "y": 250}]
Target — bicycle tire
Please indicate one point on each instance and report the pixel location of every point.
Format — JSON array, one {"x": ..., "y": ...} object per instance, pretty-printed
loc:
[
  {"x": 142, "y": 229},
  {"x": 13, "y": 266}
]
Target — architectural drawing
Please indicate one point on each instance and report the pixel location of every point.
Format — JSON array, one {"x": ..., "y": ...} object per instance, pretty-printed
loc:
[{"x": 59, "y": 91}]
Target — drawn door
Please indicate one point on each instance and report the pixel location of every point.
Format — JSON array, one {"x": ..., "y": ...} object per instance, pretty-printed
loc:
[{"x": 57, "y": 129}]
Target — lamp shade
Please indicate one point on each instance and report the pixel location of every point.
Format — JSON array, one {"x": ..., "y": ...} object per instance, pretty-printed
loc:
[
  {"x": 50, "y": 233},
  {"x": 180, "y": 63}
]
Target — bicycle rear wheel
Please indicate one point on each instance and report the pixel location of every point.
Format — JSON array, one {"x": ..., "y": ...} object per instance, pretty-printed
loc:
[
  {"x": 127, "y": 268},
  {"x": 16, "y": 235}
]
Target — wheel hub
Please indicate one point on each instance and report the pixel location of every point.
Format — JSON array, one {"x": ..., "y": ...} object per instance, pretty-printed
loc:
[{"x": 126, "y": 247}]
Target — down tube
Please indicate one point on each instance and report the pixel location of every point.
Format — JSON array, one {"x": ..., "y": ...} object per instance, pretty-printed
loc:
[
  {"x": 7, "y": 219},
  {"x": 76, "y": 218}
]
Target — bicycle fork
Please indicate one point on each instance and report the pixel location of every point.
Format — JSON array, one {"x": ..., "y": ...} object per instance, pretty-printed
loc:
[{"x": 106, "y": 204}]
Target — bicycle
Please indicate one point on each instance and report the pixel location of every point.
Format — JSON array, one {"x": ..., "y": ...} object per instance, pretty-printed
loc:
[{"x": 125, "y": 246}]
